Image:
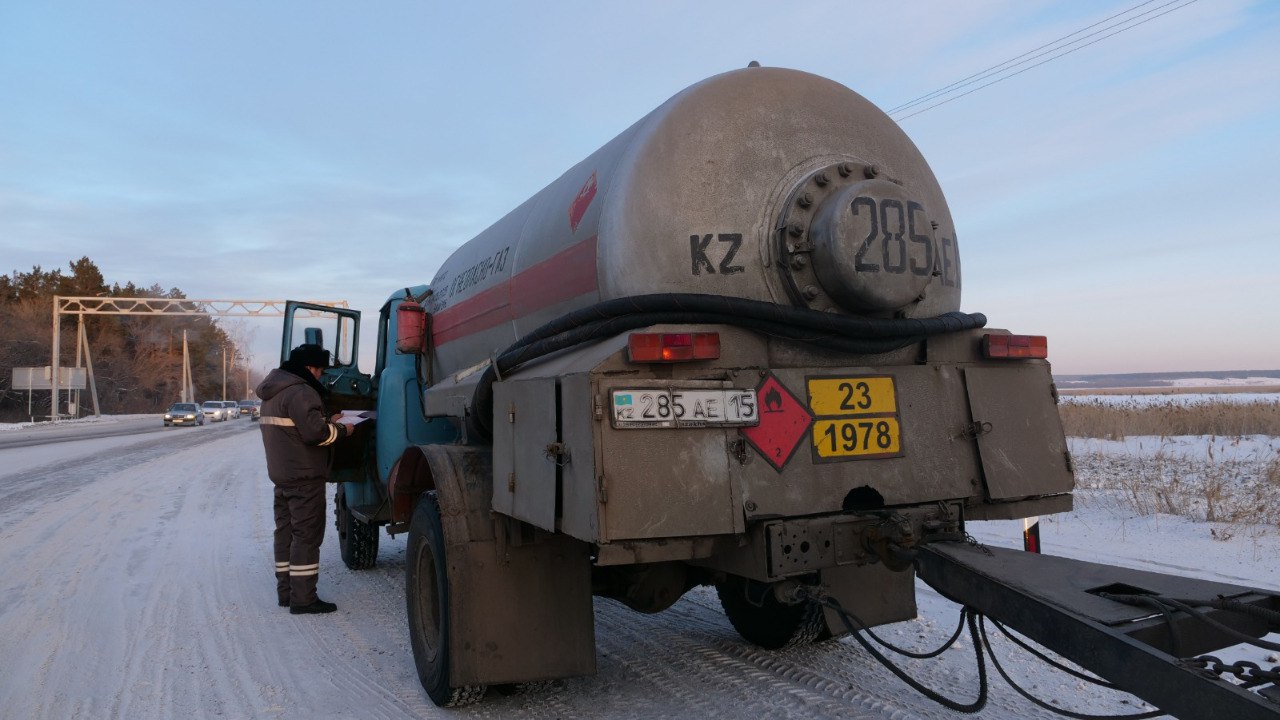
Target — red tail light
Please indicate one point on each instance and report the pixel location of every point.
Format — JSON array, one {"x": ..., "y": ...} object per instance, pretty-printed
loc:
[
  {"x": 673, "y": 347},
  {"x": 1015, "y": 347}
]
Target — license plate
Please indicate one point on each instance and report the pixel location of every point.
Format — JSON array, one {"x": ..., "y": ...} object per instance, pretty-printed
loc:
[{"x": 676, "y": 408}]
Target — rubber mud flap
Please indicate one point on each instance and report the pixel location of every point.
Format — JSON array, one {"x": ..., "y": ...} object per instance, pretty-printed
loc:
[{"x": 427, "y": 601}]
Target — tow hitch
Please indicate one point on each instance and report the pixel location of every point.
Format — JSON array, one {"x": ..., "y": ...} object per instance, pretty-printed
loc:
[{"x": 1147, "y": 633}]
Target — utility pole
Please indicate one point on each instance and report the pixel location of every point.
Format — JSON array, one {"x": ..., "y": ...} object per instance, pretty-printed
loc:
[
  {"x": 88, "y": 360},
  {"x": 224, "y": 372},
  {"x": 187, "y": 394},
  {"x": 53, "y": 379}
]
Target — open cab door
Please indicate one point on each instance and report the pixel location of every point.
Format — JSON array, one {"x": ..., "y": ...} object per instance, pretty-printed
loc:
[{"x": 338, "y": 331}]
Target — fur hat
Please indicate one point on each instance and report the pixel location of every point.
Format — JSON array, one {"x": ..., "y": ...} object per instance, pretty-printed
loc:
[{"x": 310, "y": 356}]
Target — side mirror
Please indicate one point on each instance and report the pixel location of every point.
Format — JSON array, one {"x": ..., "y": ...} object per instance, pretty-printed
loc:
[{"x": 313, "y": 336}]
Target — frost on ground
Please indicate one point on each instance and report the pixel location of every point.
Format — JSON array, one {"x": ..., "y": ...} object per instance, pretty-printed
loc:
[
  {"x": 137, "y": 582},
  {"x": 1214, "y": 479},
  {"x": 91, "y": 420}
]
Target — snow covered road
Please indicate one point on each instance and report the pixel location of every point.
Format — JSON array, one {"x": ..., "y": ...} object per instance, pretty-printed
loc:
[{"x": 135, "y": 582}]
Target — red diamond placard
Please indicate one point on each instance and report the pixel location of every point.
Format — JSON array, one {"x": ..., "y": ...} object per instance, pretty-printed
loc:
[{"x": 784, "y": 421}]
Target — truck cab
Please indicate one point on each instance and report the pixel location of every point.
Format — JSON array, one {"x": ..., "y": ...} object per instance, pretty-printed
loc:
[{"x": 392, "y": 398}]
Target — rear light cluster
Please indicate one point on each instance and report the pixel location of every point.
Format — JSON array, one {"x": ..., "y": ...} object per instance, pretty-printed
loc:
[
  {"x": 1015, "y": 347},
  {"x": 673, "y": 347}
]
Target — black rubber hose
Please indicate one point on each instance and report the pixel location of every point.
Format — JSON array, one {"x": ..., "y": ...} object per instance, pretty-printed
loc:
[
  {"x": 1050, "y": 661},
  {"x": 1271, "y": 617},
  {"x": 967, "y": 615},
  {"x": 995, "y": 662},
  {"x": 603, "y": 329},
  {"x": 864, "y": 336},
  {"x": 682, "y": 303},
  {"x": 1227, "y": 630}
]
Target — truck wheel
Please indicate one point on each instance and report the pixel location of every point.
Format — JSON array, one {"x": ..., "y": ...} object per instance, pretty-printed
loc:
[
  {"x": 427, "y": 600},
  {"x": 761, "y": 619},
  {"x": 357, "y": 540}
]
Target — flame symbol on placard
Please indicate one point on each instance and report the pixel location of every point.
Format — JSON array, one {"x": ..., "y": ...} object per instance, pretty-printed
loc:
[{"x": 773, "y": 400}]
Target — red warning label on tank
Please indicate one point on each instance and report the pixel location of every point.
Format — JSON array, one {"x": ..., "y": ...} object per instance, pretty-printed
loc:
[
  {"x": 579, "y": 206},
  {"x": 784, "y": 422}
]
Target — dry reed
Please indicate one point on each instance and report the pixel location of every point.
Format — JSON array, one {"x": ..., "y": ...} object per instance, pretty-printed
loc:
[
  {"x": 1217, "y": 489},
  {"x": 1116, "y": 421}
]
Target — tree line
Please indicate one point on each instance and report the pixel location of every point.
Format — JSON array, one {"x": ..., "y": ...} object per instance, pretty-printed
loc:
[{"x": 137, "y": 359}]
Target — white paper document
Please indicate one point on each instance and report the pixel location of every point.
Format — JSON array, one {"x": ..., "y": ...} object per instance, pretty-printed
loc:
[{"x": 355, "y": 417}]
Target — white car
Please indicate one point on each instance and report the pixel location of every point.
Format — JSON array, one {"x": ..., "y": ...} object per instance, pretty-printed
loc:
[
  {"x": 233, "y": 409},
  {"x": 213, "y": 410}
]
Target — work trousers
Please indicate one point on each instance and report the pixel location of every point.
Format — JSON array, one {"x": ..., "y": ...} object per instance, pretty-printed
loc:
[{"x": 300, "y": 513}]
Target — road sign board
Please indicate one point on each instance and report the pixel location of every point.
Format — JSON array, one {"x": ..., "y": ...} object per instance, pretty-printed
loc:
[{"x": 40, "y": 378}]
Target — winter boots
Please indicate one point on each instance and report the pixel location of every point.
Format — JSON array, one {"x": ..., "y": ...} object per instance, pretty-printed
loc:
[{"x": 319, "y": 606}]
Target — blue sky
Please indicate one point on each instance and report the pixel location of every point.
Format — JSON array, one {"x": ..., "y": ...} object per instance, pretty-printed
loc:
[{"x": 1121, "y": 200}]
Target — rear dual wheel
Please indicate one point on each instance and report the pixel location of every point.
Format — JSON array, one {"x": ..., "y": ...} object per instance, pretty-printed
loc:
[
  {"x": 760, "y": 618},
  {"x": 427, "y": 599}
]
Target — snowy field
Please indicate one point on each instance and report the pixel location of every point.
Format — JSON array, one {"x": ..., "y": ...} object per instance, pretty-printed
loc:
[
  {"x": 1181, "y": 398},
  {"x": 137, "y": 583}
]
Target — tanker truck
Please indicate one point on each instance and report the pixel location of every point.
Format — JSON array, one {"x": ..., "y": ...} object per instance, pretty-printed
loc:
[{"x": 725, "y": 349}]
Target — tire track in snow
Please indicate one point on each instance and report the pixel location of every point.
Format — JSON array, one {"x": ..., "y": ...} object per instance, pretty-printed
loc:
[
  {"x": 34, "y": 489},
  {"x": 138, "y": 595}
]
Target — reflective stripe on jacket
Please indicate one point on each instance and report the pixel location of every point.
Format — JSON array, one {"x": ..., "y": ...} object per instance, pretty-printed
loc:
[{"x": 295, "y": 430}]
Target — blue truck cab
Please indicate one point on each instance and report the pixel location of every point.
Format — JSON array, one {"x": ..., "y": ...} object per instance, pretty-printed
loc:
[{"x": 363, "y": 464}]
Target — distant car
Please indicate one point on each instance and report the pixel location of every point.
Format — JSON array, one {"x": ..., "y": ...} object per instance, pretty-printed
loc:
[
  {"x": 183, "y": 414},
  {"x": 233, "y": 410},
  {"x": 214, "y": 411},
  {"x": 253, "y": 408}
]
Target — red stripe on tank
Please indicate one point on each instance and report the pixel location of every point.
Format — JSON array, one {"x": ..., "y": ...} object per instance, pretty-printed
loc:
[{"x": 563, "y": 276}]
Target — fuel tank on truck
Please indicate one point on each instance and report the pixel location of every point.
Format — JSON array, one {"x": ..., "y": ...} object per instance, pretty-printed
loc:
[{"x": 762, "y": 183}]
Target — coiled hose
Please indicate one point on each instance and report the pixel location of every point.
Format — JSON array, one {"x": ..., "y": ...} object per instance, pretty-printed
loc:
[{"x": 846, "y": 333}]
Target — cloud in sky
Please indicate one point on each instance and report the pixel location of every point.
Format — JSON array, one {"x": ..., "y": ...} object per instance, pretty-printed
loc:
[{"x": 322, "y": 149}]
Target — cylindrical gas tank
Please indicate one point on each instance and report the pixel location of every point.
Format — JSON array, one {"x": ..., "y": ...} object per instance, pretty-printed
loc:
[{"x": 762, "y": 183}]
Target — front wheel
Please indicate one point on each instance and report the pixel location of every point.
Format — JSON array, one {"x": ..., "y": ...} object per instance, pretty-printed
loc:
[
  {"x": 427, "y": 600},
  {"x": 358, "y": 541}
]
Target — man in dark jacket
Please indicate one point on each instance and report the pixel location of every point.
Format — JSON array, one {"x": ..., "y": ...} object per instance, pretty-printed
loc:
[{"x": 296, "y": 434}]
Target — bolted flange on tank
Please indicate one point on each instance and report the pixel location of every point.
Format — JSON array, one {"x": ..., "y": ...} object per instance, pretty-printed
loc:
[{"x": 856, "y": 241}]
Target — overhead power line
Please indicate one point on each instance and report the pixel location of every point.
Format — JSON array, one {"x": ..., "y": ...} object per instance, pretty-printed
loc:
[
  {"x": 991, "y": 70},
  {"x": 1054, "y": 50}
]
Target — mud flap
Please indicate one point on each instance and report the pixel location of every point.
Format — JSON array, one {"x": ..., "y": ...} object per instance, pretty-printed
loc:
[
  {"x": 518, "y": 612},
  {"x": 874, "y": 594}
]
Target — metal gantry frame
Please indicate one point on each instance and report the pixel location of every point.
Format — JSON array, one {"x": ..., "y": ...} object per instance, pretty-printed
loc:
[{"x": 154, "y": 307}]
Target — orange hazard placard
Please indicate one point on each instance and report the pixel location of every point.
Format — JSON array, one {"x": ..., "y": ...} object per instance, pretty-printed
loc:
[{"x": 784, "y": 422}]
